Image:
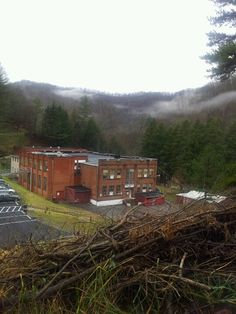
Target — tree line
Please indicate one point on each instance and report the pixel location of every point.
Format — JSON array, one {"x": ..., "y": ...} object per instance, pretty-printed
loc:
[
  {"x": 54, "y": 124},
  {"x": 198, "y": 154}
]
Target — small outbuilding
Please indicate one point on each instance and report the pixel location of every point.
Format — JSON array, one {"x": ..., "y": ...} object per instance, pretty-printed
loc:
[
  {"x": 77, "y": 194},
  {"x": 150, "y": 198},
  {"x": 191, "y": 196}
]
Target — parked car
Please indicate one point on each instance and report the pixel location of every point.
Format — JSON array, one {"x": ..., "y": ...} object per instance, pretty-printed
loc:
[
  {"x": 5, "y": 188},
  {"x": 6, "y": 196}
]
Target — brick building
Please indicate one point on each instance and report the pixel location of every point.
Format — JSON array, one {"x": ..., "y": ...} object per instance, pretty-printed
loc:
[{"x": 110, "y": 180}]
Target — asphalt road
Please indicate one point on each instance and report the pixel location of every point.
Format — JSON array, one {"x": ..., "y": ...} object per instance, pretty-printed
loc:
[{"x": 16, "y": 226}]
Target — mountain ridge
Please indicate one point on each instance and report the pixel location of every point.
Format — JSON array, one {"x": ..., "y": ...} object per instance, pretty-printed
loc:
[{"x": 157, "y": 104}]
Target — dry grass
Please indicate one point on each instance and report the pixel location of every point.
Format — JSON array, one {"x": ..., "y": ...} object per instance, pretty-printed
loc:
[{"x": 170, "y": 264}]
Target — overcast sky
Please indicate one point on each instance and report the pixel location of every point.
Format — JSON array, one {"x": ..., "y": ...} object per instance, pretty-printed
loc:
[{"x": 107, "y": 45}]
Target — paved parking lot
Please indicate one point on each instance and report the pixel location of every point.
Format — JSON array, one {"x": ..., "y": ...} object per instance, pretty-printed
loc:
[
  {"x": 13, "y": 214},
  {"x": 16, "y": 226}
]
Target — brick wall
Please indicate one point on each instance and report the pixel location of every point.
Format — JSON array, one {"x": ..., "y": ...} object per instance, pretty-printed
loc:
[{"x": 89, "y": 178}]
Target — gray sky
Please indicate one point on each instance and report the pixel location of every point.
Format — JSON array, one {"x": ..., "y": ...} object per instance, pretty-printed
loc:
[{"x": 107, "y": 45}]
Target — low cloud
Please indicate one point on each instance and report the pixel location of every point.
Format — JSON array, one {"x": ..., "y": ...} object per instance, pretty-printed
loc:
[
  {"x": 74, "y": 93},
  {"x": 186, "y": 104}
]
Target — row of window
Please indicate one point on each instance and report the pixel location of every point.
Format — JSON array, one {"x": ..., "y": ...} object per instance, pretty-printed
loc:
[
  {"x": 41, "y": 183},
  {"x": 117, "y": 173},
  {"x": 111, "y": 190},
  {"x": 15, "y": 159},
  {"x": 111, "y": 173},
  {"x": 116, "y": 190},
  {"x": 144, "y": 187},
  {"x": 37, "y": 181},
  {"x": 36, "y": 163}
]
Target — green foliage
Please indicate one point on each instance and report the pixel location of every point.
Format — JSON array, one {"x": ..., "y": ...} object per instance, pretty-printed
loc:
[
  {"x": 10, "y": 140},
  {"x": 227, "y": 179},
  {"x": 3, "y": 93},
  {"x": 114, "y": 146},
  {"x": 198, "y": 154},
  {"x": 55, "y": 126},
  {"x": 224, "y": 59},
  {"x": 47, "y": 125},
  {"x": 223, "y": 56},
  {"x": 85, "y": 131},
  {"x": 206, "y": 167}
]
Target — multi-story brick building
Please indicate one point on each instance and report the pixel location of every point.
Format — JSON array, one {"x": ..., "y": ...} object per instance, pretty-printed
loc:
[{"x": 110, "y": 179}]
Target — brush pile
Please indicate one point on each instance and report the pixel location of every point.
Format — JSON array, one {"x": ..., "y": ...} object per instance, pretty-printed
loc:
[{"x": 184, "y": 262}]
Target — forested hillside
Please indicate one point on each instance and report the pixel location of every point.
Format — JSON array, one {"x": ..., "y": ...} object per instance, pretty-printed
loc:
[
  {"x": 200, "y": 154},
  {"x": 192, "y": 133}
]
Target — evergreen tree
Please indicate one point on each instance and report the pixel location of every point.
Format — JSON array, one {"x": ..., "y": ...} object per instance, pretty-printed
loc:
[
  {"x": 149, "y": 147},
  {"x": 196, "y": 154},
  {"x": 230, "y": 142},
  {"x": 91, "y": 136},
  {"x": 223, "y": 56},
  {"x": 55, "y": 126},
  {"x": 114, "y": 146},
  {"x": 207, "y": 167},
  {"x": 224, "y": 60},
  {"x": 85, "y": 131},
  {"x": 3, "y": 94}
]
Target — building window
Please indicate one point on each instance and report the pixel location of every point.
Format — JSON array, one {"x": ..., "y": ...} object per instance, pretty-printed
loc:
[
  {"x": 28, "y": 178},
  {"x": 112, "y": 174},
  {"x": 104, "y": 190},
  {"x": 118, "y": 173},
  {"x": 138, "y": 188},
  {"x": 144, "y": 189},
  {"x": 45, "y": 183},
  {"x": 34, "y": 179},
  {"x": 34, "y": 163},
  {"x": 140, "y": 173},
  {"x": 39, "y": 182},
  {"x": 118, "y": 189},
  {"x": 129, "y": 176},
  {"x": 40, "y": 164},
  {"x": 30, "y": 162},
  {"x": 111, "y": 189},
  {"x": 151, "y": 172},
  {"x": 45, "y": 165},
  {"x": 105, "y": 174},
  {"x": 145, "y": 173}
]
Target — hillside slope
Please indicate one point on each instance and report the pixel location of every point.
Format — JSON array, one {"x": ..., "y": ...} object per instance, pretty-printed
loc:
[{"x": 211, "y": 98}]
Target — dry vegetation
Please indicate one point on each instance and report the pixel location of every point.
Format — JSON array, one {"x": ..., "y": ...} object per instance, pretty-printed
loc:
[{"x": 184, "y": 262}]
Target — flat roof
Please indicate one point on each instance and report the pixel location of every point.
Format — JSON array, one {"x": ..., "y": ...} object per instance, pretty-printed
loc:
[
  {"x": 199, "y": 195},
  {"x": 93, "y": 157}
]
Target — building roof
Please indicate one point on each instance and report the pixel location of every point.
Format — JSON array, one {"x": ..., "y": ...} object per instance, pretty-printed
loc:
[
  {"x": 151, "y": 194},
  {"x": 198, "y": 195},
  {"x": 93, "y": 157}
]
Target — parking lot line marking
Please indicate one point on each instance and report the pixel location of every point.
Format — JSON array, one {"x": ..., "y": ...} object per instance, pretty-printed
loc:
[
  {"x": 28, "y": 217},
  {"x": 17, "y": 222},
  {"x": 2, "y": 209},
  {"x": 8, "y": 209},
  {"x": 14, "y": 208},
  {"x": 19, "y": 209},
  {"x": 4, "y": 217}
]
